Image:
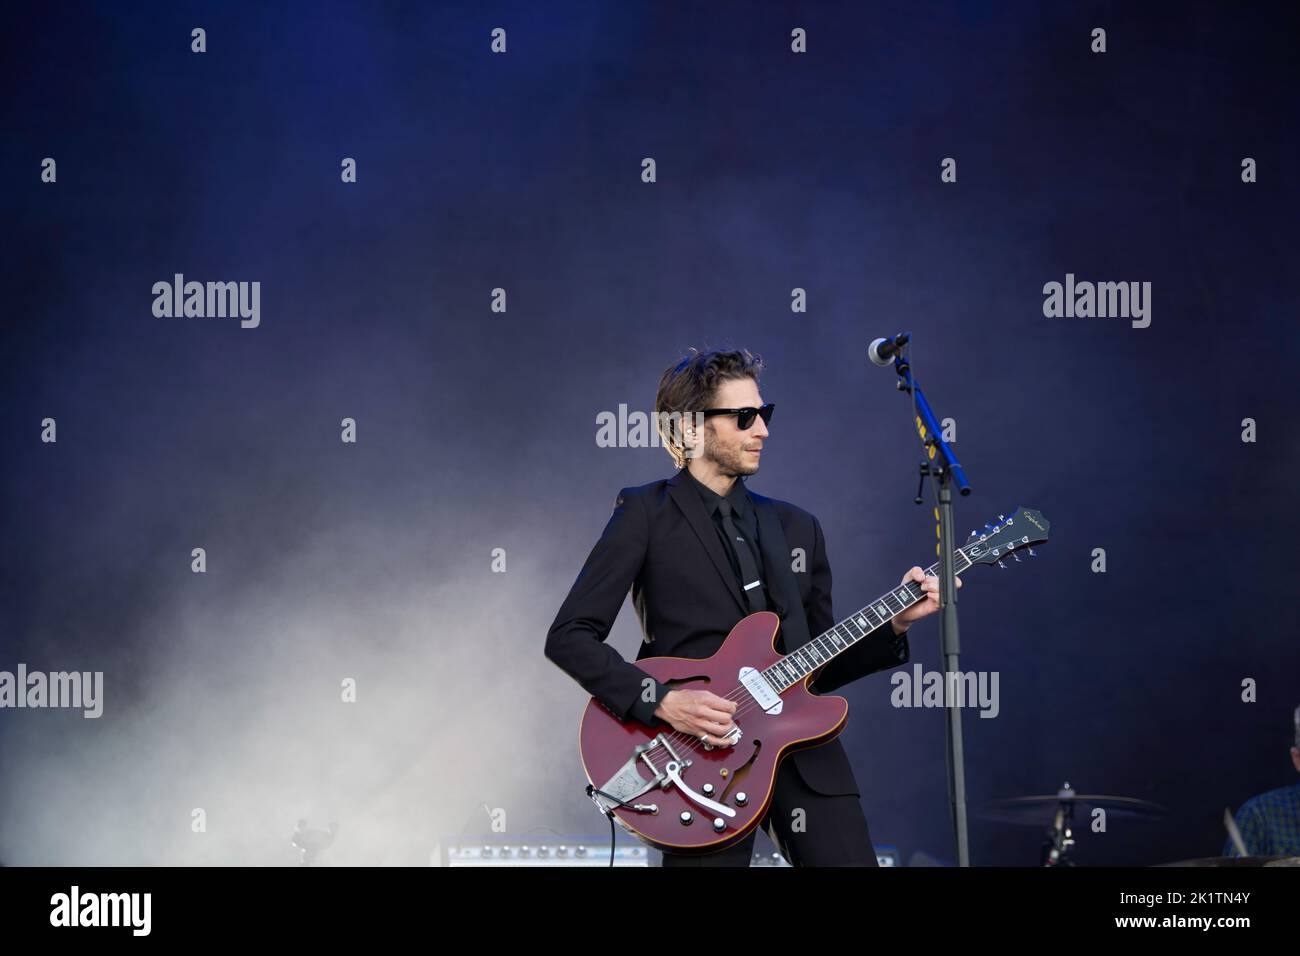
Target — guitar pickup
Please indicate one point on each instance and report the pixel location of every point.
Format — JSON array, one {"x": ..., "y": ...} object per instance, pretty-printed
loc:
[{"x": 764, "y": 694}]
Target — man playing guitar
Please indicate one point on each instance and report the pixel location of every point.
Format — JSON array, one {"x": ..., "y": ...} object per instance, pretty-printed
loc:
[{"x": 699, "y": 552}]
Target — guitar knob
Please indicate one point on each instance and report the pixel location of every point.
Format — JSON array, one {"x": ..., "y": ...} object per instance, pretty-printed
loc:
[
  {"x": 708, "y": 789},
  {"x": 742, "y": 798},
  {"x": 686, "y": 818},
  {"x": 719, "y": 824}
]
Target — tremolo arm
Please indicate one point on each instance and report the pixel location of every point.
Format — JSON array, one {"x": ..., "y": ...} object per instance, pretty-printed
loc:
[{"x": 628, "y": 784}]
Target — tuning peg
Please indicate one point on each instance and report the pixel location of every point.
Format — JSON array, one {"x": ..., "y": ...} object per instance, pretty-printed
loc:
[
  {"x": 1016, "y": 555},
  {"x": 1001, "y": 565},
  {"x": 1002, "y": 517},
  {"x": 1031, "y": 552}
]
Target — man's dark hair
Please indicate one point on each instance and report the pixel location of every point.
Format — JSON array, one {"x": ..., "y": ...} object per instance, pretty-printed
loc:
[{"x": 689, "y": 387}]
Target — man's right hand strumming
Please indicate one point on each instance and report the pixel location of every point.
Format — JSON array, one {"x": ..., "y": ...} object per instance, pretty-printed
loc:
[{"x": 698, "y": 712}]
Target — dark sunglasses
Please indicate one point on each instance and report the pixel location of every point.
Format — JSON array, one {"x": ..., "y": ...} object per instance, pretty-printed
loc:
[{"x": 744, "y": 416}]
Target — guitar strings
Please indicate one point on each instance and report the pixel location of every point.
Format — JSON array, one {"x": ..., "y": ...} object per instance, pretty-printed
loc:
[{"x": 691, "y": 744}]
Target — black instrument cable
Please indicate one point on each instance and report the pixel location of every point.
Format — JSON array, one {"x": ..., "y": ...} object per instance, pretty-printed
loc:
[{"x": 610, "y": 813}]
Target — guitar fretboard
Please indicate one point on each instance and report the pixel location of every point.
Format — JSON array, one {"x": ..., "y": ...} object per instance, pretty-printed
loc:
[{"x": 798, "y": 664}]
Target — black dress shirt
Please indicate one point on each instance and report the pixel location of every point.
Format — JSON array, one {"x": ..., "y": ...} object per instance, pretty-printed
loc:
[{"x": 746, "y": 521}]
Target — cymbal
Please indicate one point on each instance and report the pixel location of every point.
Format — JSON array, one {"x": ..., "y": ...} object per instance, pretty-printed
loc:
[
  {"x": 1040, "y": 811},
  {"x": 1238, "y": 861}
]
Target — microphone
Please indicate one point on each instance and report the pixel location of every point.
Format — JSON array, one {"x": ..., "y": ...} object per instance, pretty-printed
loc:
[{"x": 882, "y": 350}]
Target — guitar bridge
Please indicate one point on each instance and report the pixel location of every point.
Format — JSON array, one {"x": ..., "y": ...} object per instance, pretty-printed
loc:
[{"x": 628, "y": 784}]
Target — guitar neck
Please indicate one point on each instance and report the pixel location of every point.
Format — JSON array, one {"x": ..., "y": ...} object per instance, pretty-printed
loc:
[{"x": 798, "y": 664}]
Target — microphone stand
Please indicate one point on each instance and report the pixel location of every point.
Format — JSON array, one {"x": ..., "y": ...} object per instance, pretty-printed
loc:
[{"x": 941, "y": 463}]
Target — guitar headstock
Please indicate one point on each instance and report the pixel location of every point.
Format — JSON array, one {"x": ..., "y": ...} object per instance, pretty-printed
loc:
[{"x": 1012, "y": 534}]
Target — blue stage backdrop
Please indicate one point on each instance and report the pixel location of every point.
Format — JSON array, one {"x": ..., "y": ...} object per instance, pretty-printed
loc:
[{"x": 313, "y": 543}]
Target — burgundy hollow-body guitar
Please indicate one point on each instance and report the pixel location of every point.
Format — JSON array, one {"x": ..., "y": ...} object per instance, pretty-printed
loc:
[{"x": 677, "y": 794}]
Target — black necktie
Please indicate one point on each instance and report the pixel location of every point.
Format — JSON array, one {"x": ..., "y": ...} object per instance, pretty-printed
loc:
[{"x": 753, "y": 585}]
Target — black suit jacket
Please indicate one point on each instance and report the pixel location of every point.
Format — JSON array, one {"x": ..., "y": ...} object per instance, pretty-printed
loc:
[{"x": 661, "y": 543}]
